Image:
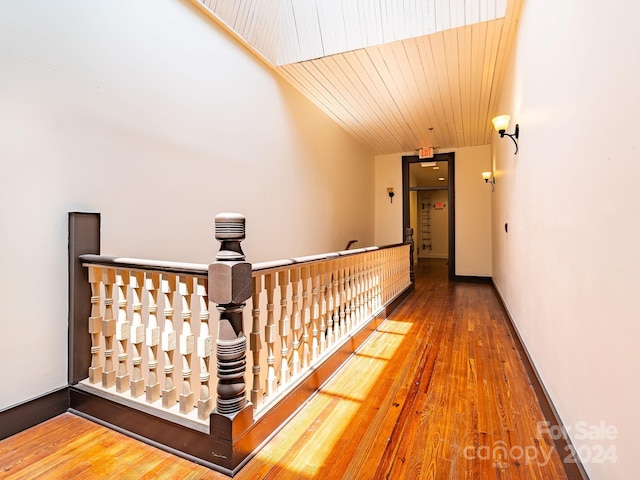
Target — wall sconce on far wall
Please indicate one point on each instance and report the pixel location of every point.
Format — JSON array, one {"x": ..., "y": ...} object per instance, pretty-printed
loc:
[
  {"x": 391, "y": 194},
  {"x": 501, "y": 123},
  {"x": 488, "y": 179}
]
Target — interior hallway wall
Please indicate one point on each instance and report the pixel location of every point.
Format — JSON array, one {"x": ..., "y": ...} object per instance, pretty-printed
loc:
[
  {"x": 149, "y": 113},
  {"x": 568, "y": 266}
]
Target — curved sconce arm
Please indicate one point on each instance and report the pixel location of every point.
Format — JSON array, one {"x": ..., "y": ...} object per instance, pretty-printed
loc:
[
  {"x": 501, "y": 123},
  {"x": 513, "y": 136}
]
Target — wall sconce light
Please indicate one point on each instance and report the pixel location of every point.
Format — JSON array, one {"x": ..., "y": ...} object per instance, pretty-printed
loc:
[
  {"x": 487, "y": 179},
  {"x": 391, "y": 194},
  {"x": 501, "y": 123}
]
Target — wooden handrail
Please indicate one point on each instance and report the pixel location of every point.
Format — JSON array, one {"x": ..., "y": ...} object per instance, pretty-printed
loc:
[
  {"x": 177, "y": 268},
  {"x": 202, "y": 269},
  {"x": 273, "y": 265}
]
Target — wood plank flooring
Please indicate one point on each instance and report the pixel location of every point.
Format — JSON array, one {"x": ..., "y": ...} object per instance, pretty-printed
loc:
[{"x": 438, "y": 392}]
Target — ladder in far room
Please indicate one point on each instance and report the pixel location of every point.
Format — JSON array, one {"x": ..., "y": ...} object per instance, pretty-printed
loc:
[{"x": 425, "y": 224}]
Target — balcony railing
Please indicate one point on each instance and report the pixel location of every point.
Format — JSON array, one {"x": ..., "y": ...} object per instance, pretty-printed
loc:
[{"x": 158, "y": 347}]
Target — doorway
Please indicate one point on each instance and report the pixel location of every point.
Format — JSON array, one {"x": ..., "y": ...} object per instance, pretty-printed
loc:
[
  {"x": 428, "y": 191},
  {"x": 430, "y": 223}
]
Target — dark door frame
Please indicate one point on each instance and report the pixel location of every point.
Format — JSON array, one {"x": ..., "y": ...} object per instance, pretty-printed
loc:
[{"x": 406, "y": 211}]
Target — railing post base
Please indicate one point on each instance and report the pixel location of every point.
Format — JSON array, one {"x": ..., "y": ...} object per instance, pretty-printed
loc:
[
  {"x": 225, "y": 433},
  {"x": 231, "y": 426}
]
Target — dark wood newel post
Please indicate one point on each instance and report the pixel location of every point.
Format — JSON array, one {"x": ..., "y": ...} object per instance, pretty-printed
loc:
[
  {"x": 84, "y": 237},
  {"x": 229, "y": 288}
]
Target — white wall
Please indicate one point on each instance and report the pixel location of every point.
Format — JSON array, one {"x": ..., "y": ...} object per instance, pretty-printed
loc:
[
  {"x": 568, "y": 267},
  {"x": 388, "y": 215},
  {"x": 148, "y": 113},
  {"x": 473, "y": 207},
  {"x": 473, "y": 212}
]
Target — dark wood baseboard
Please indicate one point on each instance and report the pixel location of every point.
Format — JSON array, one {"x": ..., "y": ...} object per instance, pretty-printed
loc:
[
  {"x": 574, "y": 470},
  {"x": 171, "y": 437},
  {"x": 472, "y": 279},
  {"x": 29, "y": 414}
]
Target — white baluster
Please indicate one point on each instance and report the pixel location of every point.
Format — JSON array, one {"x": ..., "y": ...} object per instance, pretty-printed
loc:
[
  {"x": 325, "y": 315},
  {"x": 305, "y": 316},
  {"x": 204, "y": 351},
  {"x": 152, "y": 284},
  {"x": 168, "y": 343},
  {"x": 137, "y": 334},
  {"x": 358, "y": 266},
  {"x": 367, "y": 294},
  {"x": 255, "y": 344},
  {"x": 108, "y": 329},
  {"x": 187, "y": 344},
  {"x": 295, "y": 361},
  {"x": 95, "y": 324},
  {"x": 343, "y": 297},
  {"x": 284, "y": 328},
  {"x": 330, "y": 300},
  {"x": 315, "y": 312},
  {"x": 348, "y": 310},
  {"x": 122, "y": 331},
  {"x": 270, "y": 334},
  {"x": 335, "y": 290},
  {"x": 353, "y": 290}
]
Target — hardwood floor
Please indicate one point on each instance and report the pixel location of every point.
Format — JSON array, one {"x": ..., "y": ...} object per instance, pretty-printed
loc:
[{"x": 438, "y": 392}]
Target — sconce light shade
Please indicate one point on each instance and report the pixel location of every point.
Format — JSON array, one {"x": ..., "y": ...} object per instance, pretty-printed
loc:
[
  {"x": 391, "y": 194},
  {"x": 486, "y": 176},
  {"x": 501, "y": 122}
]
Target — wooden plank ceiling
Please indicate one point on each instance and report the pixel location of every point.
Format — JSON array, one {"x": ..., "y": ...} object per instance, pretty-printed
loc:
[{"x": 397, "y": 74}]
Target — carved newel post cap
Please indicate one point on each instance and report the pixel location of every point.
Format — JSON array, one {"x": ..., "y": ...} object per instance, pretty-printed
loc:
[
  {"x": 230, "y": 275},
  {"x": 230, "y": 226}
]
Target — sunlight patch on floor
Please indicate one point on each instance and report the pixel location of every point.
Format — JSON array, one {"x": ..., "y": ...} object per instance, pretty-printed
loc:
[
  {"x": 339, "y": 402},
  {"x": 395, "y": 326}
]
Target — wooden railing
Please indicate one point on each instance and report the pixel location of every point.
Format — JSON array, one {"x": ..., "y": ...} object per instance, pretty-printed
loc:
[
  {"x": 323, "y": 300},
  {"x": 150, "y": 331},
  {"x": 155, "y": 343}
]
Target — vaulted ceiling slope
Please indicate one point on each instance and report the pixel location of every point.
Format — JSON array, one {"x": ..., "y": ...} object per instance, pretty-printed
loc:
[{"x": 397, "y": 74}]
